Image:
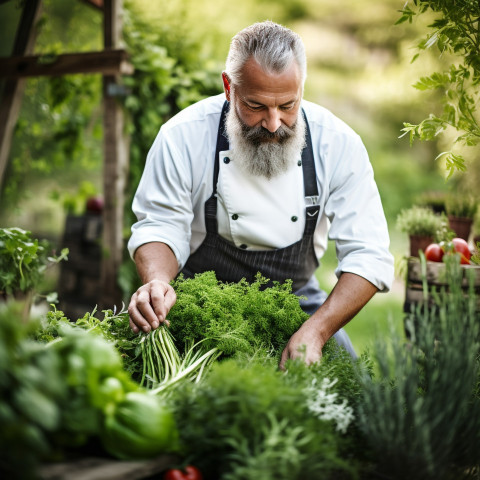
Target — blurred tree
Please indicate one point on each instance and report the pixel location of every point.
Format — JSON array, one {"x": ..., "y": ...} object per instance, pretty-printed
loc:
[{"x": 455, "y": 31}]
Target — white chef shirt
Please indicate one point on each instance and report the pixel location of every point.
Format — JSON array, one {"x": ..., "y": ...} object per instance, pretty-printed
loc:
[{"x": 259, "y": 213}]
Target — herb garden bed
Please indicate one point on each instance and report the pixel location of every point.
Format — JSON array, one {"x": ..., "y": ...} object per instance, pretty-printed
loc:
[{"x": 208, "y": 392}]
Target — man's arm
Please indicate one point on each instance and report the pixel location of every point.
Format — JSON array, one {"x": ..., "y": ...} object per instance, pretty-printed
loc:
[
  {"x": 150, "y": 304},
  {"x": 350, "y": 295}
]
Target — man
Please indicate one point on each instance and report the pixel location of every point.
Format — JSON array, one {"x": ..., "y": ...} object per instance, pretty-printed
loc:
[{"x": 255, "y": 180}]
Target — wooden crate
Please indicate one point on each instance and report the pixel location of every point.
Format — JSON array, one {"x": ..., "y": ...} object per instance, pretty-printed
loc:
[
  {"x": 436, "y": 279},
  {"x": 96, "y": 468},
  {"x": 79, "y": 287}
]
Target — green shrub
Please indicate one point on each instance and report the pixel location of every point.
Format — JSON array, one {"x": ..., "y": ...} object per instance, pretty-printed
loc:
[
  {"x": 418, "y": 220},
  {"x": 463, "y": 206},
  {"x": 421, "y": 416}
]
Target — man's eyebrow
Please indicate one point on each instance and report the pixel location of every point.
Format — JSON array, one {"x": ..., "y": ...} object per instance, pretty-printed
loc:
[{"x": 254, "y": 102}]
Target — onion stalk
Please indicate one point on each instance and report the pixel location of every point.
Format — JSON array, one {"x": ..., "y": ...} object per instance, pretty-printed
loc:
[{"x": 164, "y": 367}]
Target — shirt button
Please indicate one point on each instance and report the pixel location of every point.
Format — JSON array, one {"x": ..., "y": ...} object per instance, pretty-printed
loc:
[
  {"x": 299, "y": 163},
  {"x": 243, "y": 246},
  {"x": 294, "y": 218},
  {"x": 226, "y": 160},
  {"x": 234, "y": 216}
]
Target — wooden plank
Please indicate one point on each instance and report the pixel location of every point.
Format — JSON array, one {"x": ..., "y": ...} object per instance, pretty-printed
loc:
[
  {"x": 110, "y": 62},
  {"x": 115, "y": 167},
  {"x": 13, "y": 88},
  {"x": 436, "y": 273},
  {"x": 93, "y": 468},
  {"x": 415, "y": 296}
]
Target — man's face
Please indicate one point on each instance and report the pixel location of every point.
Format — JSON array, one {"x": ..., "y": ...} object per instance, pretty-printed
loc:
[
  {"x": 264, "y": 122},
  {"x": 268, "y": 100}
]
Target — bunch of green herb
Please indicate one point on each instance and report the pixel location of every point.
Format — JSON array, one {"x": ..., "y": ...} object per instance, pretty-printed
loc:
[
  {"x": 164, "y": 367},
  {"x": 421, "y": 415},
  {"x": 234, "y": 317},
  {"x": 151, "y": 359},
  {"x": 248, "y": 420},
  {"x": 23, "y": 261}
]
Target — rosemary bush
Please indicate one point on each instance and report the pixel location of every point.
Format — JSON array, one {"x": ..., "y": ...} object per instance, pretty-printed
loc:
[
  {"x": 418, "y": 220},
  {"x": 421, "y": 415},
  {"x": 461, "y": 206}
]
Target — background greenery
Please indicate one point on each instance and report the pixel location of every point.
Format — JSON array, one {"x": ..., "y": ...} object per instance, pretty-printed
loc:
[{"x": 359, "y": 66}]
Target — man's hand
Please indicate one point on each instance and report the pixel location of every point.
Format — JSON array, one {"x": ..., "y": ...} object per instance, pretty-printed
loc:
[
  {"x": 306, "y": 343},
  {"x": 350, "y": 295},
  {"x": 150, "y": 305}
]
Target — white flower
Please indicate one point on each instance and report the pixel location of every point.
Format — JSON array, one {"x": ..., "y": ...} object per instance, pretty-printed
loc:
[{"x": 324, "y": 406}]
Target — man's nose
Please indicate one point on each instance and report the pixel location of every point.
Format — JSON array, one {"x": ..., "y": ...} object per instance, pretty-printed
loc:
[{"x": 271, "y": 121}]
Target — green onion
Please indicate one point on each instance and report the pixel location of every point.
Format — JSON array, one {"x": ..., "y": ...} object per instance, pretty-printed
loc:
[{"x": 163, "y": 366}]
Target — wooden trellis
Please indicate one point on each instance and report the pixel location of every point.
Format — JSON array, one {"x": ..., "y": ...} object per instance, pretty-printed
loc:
[{"x": 111, "y": 62}]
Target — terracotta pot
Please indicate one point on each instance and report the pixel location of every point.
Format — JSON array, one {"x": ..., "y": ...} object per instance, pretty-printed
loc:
[
  {"x": 461, "y": 226},
  {"x": 419, "y": 242}
]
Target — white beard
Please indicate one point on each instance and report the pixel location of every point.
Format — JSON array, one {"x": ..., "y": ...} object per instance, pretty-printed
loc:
[{"x": 254, "y": 149}]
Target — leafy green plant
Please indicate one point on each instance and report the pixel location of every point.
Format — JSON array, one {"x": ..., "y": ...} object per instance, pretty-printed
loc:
[
  {"x": 234, "y": 317},
  {"x": 419, "y": 220},
  {"x": 257, "y": 421},
  {"x": 421, "y": 415},
  {"x": 23, "y": 261},
  {"x": 463, "y": 206},
  {"x": 66, "y": 389},
  {"x": 454, "y": 31}
]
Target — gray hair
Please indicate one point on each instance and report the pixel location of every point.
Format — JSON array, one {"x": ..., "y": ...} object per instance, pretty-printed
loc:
[{"x": 273, "y": 46}]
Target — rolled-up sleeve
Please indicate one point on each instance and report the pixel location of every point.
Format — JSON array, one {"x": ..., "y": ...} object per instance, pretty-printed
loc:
[
  {"x": 162, "y": 203},
  {"x": 358, "y": 224}
]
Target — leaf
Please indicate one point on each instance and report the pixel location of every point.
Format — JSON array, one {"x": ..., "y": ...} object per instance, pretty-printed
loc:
[{"x": 453, "y": 162}]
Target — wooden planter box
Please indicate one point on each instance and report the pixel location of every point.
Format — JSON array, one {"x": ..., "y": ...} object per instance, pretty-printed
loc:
[
  {"x": 96, "y": 468},
  {"x": 436, "y": 279}
]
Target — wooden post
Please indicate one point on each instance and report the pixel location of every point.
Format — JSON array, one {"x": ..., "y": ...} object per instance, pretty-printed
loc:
[
  {"x": 13, "y": 89},
  {"x": 115, "y": 166}
]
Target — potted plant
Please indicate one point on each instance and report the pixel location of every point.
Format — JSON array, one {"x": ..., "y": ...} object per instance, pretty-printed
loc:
[
  {"x": 422, "y": 225},
  {"x": 23, "y": 262},
  {"x": 434, "y": 200},
  {"x": 461, "y": 210}
]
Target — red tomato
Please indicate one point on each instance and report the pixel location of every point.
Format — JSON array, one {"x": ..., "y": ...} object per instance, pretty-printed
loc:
[
  {"x": 461, "y": 247},
  {"x": 188, "y": 473},
  {"x": 434, "y": 252}
]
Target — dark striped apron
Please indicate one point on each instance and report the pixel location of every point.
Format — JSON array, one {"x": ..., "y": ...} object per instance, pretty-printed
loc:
[{"x": 297, "y": 262}]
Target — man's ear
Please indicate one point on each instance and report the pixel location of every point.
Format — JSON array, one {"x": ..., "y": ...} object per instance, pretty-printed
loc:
[{"x": 226, "y": 85}]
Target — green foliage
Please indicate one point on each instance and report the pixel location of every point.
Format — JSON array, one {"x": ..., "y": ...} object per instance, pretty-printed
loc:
[
  {"x": 171, "y": 72},
  {"x": 28, "y": 408},
  {"x": 464, "y": 206},
  {"x": 248, "y": 420},
  {"x": 421, "y": 415},
  {"x": 64, "y": 389},
  {"x": 454, "y": 31},
  {"x": 112, "y": 326},
  {"x": 234, "y": 317},
  {"x": 23, "y": 260},
  {"x": 418, "y": 220}
]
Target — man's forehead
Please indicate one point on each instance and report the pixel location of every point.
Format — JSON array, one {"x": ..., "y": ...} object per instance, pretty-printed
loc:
[{"x": 256, "y": 83}]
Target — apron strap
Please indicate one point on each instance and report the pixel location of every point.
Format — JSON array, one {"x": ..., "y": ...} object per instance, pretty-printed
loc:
[{"x": 222, "y": 143}]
